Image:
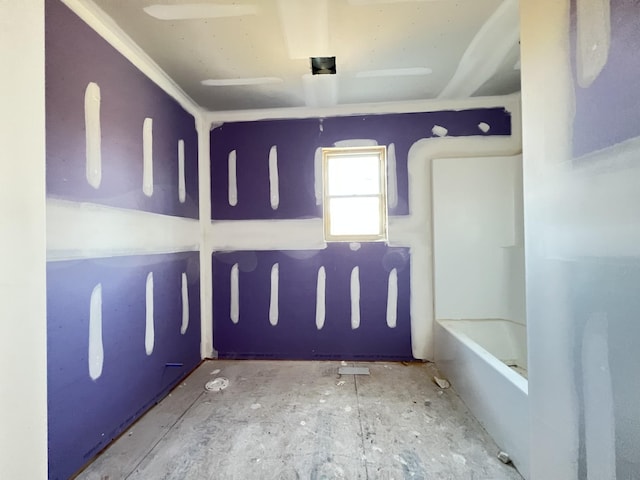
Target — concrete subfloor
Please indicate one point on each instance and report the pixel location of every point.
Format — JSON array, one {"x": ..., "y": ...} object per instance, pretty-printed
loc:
[{"x": 301, "y": 420}]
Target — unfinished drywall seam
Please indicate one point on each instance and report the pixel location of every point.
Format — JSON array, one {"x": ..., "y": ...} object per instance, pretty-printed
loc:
[
  {"x": 413, "y": 106},
  {"x": 487, "y": 51},
  {"x": 93, "y": 135},
  {"x": 104, "y": 26},
  {"x": 203, "y": 127},
  {"x": 84, "y": 230}
]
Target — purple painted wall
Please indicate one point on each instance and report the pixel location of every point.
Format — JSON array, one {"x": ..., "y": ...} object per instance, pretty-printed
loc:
[
  {"x": 297, "y": 141},
  {"x": 76, "y": 56},
  {"x": 85, "y": 414},
  {"x": 607, "y": 112},
  {"x": 296, "y": 335}
]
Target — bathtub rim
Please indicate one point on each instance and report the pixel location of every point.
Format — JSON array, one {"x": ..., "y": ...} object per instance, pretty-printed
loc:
[{"x": 515, "y": 378}]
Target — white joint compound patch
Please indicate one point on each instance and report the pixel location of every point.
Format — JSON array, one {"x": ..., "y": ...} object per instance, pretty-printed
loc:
[
  {"x": 235, "y": 294},
  {"x": 274, "y": 182},
  {"x": 439, "y": 131},
  {"x": 93, "y": 135},
  {"x": 182, "y": 188},
  {"x": 317, "y": 175},
  {"x": 355, "y": 298},
  {"x": 233, "y": 179},
  {"x": 392, "y": 177},
  {"x": 185, "y": 304},
  {"x": 392, "y": 299},
  {"x": 484, "y": 127},
  {"x": 355, "y": 246},
  {"x": 147, "y": 156},
  {"x": 356, "y": 142},
  {"x": 273, "y": 303},
  {"x": 320, "y": 298},
  {"x": 96, "y": 348},
  {"x": 149, "y": 333}
]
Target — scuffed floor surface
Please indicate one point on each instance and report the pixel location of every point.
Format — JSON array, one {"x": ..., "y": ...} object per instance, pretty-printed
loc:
[{"x": 301, "y": 420}]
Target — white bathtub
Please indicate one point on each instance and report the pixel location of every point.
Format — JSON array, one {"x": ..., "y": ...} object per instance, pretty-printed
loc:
[{"x": 472, "y": 355}]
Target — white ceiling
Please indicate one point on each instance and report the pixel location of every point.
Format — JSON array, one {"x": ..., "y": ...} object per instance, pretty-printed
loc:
[{"x": 254, "y": 54}]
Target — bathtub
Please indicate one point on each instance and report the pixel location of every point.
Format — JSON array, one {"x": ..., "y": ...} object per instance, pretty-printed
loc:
[{"x": 475, "y": 356}]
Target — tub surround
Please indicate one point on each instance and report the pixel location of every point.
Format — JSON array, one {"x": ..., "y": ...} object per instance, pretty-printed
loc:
[{"x": 473, "y": 356}]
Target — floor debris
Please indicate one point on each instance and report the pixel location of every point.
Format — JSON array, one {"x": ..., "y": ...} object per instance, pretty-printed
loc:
[
  {"x": 353, "y": 371},
  {"x": 217, "y": 384},
  {"x": 441, "y": 382},
  {"x": 504, "y": 457}
]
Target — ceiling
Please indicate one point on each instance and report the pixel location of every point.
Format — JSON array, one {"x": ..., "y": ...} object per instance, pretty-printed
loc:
[{"x": 252, "y": 54}]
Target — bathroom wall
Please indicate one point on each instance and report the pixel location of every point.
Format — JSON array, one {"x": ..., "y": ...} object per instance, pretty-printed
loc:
[
  {"x": 23, "y": 392},
  {"x": 581, "y": 147},
  {"x": 278, "y": 290},
  {"x": 478, "y": 238},
  {"x": 123, "y": 287}
]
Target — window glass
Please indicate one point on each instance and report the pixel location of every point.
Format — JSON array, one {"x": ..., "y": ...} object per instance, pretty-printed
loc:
[
  {"x": 355, "y": 204},
  {"x": 354, "y": 216}
]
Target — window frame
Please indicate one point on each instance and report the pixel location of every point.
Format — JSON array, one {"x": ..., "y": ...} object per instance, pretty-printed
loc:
[{"x": 379, "y": 151}]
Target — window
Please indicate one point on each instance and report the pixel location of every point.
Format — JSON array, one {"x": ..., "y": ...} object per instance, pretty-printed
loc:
[{"x": 355, "y": 203}]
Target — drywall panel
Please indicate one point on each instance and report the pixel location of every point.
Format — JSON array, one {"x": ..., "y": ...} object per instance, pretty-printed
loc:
[
  {"x": 331, "y": 303},
  {"x": 23, "y": 415},
  {"x": 603, "y": 36},
  {"x": 298, "y": 226},
  {"x": 297, "y": 142},
  {"x": 115, "y": 346},
  {"x": 582, "y": 227},
  {"x": 113, "y": 120}
]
